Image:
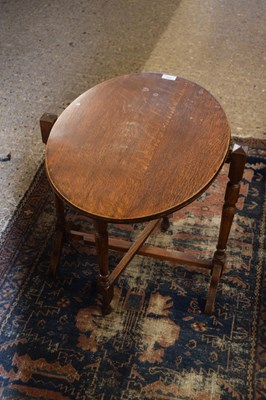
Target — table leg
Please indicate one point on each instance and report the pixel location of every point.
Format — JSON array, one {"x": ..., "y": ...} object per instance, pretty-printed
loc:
[
  {"x": 236, "y": 170},
  {"x": 58, "y": 236},
  {"x": 165, "y": 224},
  {"x": 105, "y": 290}
]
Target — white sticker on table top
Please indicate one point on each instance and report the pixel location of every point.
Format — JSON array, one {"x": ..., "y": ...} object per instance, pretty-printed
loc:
[{"x": 169, "y": 77}]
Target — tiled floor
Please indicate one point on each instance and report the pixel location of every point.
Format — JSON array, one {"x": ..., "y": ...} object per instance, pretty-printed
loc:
[{"x": 52, "y": 51}]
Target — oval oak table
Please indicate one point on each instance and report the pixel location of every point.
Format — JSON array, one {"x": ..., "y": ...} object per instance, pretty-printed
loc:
[{"x": 138, "y": 148}]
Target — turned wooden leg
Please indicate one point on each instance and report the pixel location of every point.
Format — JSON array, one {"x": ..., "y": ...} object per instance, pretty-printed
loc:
[
  {"x": 236, "y": 170},
  {"x": 215, "y": 278},
  {"x": 58, "y": 236},
  {"x": 105, "y": 290}
]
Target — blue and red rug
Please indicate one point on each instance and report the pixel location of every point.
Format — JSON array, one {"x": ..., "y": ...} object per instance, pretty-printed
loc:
[{"x": 157, "y": 343}]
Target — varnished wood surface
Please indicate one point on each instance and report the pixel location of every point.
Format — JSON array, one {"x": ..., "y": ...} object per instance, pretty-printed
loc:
[
  {"x": 137, "y": 147},
  {"x": 146, "y": 250}
]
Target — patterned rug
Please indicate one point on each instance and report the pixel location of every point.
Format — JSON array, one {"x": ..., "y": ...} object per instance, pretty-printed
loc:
[{"x": 157, "y": 343}]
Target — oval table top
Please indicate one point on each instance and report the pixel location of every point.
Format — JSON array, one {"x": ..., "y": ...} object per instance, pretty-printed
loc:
[{"x": 137, "y": 147}]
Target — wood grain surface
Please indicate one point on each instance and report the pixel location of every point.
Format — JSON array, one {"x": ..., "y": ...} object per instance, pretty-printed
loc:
[{"x": 137, "y": 147}]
